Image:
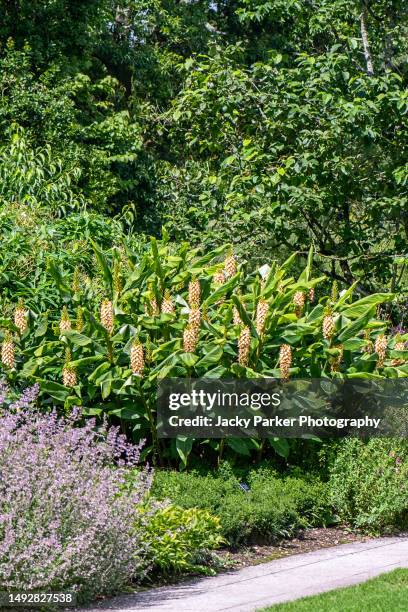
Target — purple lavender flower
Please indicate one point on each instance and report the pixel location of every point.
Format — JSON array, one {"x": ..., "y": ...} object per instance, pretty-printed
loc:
[
  {"x": 67, "y": 512},
  {"x": 398, "y": 330},
  {"x": 27, "y": 399}
]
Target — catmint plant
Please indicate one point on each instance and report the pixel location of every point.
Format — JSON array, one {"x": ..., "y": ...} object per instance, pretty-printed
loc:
[{"x": 66, "y": 510}]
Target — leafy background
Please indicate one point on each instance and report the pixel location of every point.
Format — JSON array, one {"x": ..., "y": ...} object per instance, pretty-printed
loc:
[{"x": 271, "y": 123}]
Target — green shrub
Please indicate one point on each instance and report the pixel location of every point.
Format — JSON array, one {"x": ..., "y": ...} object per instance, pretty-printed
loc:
[
  {"x": 179, "y": 540},
  {"x": 271, "y": 508},
  {"x": 369, "y": 485},
  {"x": 137, "y": 309},
  {"x": 35, "y": 241}
]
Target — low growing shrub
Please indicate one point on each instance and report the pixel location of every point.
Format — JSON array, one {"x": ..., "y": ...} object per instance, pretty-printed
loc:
[
  {"x": 264, "y": 508},
  {"x": 180, "y": 540},
  {"x": 369, "y": 484},
  {"x": 66, "y": 519}
]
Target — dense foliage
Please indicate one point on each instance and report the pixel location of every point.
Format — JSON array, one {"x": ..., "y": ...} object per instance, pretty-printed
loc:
[
  {"x": 368, "y": 484},
  {"x": 263, "y": 507},
  {"x": 166, "y": 311},
  {"x": 280, "y": 155},
  {"x": 273, "y": 123},
  {"x": 34, "y": 241},
  {"x": 180, "y": 540}
]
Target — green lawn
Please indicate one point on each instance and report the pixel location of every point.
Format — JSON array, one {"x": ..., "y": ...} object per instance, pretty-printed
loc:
[{"x": 387, "y": 593}]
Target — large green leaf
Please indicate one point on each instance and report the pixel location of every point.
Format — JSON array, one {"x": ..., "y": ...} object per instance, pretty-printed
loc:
[
  {"x": 315, "y": 314},
  {"x": 156, "y": 257},
  {"x": 353, "y": 328},
  {"x": 202, "y": 261},
  {"x": 188, "y": 359},
  {"x": 244, "y": 315},
  {"x": 281, "y": 446},
  {"x": 77, "y": 338},
  {"x": 211, "y": 358},
  {"x": 221, "y": 291},
  {"x": 239, "y": 445},
  {"x": 344, "y": 297},
  {"x": 217, "y": 372},
  {"x": 104, "y": 265},
  {"x": 84, "y": 361},
  {"x": 289, "y": 261},
  {"x": 94, "y": 377},
  {"x": 62, "y": 286},
  {"x": 305, "y": 275},
  {"x": 359, "y": 308},
  {"x": 55, "y": 390},
  {"x": 184, "y": 446},
  {"x": 106, "y": 386}
]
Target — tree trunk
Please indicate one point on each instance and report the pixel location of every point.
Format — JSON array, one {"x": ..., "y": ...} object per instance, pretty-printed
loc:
[{"x": 366, "y": 44}]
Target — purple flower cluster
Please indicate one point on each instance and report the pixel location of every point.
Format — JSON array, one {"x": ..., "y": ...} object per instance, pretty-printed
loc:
[
  {"x": 27, "y": 398},
  {"x": 67, "y": 513},
  {"x": 398, "y": 330}
]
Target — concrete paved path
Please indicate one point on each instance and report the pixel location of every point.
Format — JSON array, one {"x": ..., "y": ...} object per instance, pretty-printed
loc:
[{"x": 261, "y": 585}]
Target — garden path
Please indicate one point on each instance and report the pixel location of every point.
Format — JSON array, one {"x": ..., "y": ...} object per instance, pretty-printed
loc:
[{"x": 261, "y": 585}]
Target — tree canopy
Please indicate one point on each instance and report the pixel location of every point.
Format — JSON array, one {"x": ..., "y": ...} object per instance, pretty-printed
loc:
[{"x": 273, "y": 125}]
